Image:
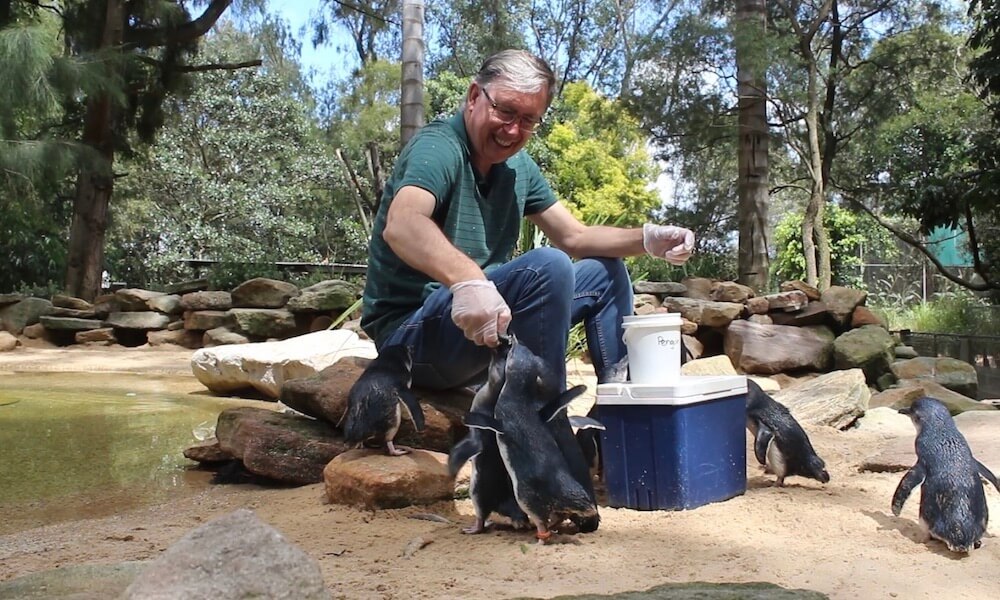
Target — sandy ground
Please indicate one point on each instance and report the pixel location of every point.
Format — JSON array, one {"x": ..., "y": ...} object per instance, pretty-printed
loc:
[{"x": 840, "y": 539}]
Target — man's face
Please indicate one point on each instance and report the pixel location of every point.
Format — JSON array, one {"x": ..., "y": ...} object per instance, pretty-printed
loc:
[{"x": 494, "y": 141}]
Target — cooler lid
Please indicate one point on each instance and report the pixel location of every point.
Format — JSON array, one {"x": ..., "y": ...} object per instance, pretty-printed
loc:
[{"x": 688, "y": 389}]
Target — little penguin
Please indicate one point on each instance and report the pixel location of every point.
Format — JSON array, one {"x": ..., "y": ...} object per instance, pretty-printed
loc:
[
  {"x": 490, "y": 487},
  {"x": 544, "y": 487},
  {"x": 374, "y": 402},
  {"x": 952, "y": 501},
  {"x": 780, "y": 443}
]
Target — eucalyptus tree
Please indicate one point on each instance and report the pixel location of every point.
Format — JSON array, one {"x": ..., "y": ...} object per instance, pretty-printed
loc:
[{"x": 411, "y": 116}]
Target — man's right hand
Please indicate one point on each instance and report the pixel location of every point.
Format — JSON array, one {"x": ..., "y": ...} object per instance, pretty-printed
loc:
[{"x": 480, "y": 311}]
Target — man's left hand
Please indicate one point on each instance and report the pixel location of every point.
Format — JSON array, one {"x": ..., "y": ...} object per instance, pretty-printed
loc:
[{"x": 669, "y": 242}]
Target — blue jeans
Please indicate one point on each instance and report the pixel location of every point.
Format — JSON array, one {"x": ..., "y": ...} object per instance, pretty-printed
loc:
[{"x": 547, "y": 293}]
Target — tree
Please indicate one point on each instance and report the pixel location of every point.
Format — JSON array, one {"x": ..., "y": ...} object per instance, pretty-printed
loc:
[
  {"x": 146, "y": 44},
  {"x": 411, "y": 116},
  {"x": 239, "y": 173},
  {"x": 752, "y": 147}
]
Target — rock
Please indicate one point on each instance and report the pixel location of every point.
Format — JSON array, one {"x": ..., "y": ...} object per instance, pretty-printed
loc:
[
  {"x": 713, "y": 365},
  {"x": 208, "y": 451},
  {"x": 134, "y": 299},
  {"x": 766, "y": 383},
  {"x": 144, "y": 321},
  {"x": 8, "y": 299},
  {"x": 956, "y": 403},
  {"x": 787, "y": 301},
  {"x": 233, "y": 557},
  {"x": 15, "y": 317},
  {"x": 262, "y": 292},
  {"x": 905, "y": 352},
  {"x": 693, "y": 345},
  {"x": 698, "y": 288},
  {"x": 814, "y": 313},
  {"x": 179, "y": 337},
  {"x": 263, "y": 322},
  {"x": 956, "y": 375},
  {"x": 730, "y": 291},
  {"x": 34, "y": 332},
  {"x": 168, "y": 304},
  {"x": 659, "y": 288},
  {"x": 863, "y": 315},
  {"x": 761, "y": 319},
  {"x": 868, "y": 348},
  {"x": 186, "y": 287},
  {"x": 897, "y": 397},
  {"x": 69, "y": 323},
  {"x": 70, "y": 302},
  {"x": 220, "y": 336},
  {"x": 770, "y": 349},
  {"x": 841, "y": 302},
  {"x": 645, "y": 303},
  {"x": 215, "y": 300},
  {"x": 265, "y": 366},
  {"x": 836, "y": 399},
  {"x": 73, "y": 582},
  {"x": 103, "y": 335},
  {"x": 757, "y": 305},
  {"x": 811, "y": 292},
  {"x": 207, "y": 319},
  {"x": 706, "y": 313},
  {"x": 279, "y": 446},
  {"x": 371, "y": 479},
  {"x": 72, "y": 312},
  {"x": 7, "y": 341},
  {"x": 330, "y": 295}
]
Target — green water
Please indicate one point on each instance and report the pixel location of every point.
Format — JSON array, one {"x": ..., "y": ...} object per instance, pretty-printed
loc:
[{"x": 76, "y": 445}]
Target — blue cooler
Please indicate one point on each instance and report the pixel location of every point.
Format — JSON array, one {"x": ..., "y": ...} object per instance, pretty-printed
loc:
[{"x": 676, "y": 446}]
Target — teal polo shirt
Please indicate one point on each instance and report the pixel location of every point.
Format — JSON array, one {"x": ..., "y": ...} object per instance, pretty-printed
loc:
[{"x": 480, "y": 216}]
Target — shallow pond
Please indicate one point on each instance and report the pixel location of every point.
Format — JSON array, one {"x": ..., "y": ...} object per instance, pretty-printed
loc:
[{"x": 79, "y": 445}]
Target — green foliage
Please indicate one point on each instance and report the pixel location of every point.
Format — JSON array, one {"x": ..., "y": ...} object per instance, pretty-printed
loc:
[
  {"x": 714, "y": 265},
  {"x": 598, "y": 165},
  {"x": 444, "y": 94},
  {"x": 227, "y": 275},
  {"x": 953, "y": 312},
  {"x": 239, "y": 175},
  {"x": 849, "y": 234}
]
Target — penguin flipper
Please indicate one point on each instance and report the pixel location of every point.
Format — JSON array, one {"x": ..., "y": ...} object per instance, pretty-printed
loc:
[
  {"x": 761, "y": 442},
  {"x": 913, "y": 478},
  {"x": 586, "y": 423},
  {"x": 988, "y": 475},
  {"x": 553, "y": 408},
  {"x": 463, "y": 452},
  {"x": 482, "y": 421},
  {"x": 409, "y": 400}
]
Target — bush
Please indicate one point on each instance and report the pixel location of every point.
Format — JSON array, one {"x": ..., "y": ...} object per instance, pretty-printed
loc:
[{"x": 951, "y": 312}]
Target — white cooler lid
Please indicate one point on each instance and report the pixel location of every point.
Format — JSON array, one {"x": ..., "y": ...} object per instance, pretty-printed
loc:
[{"x": 688, "y": 389}]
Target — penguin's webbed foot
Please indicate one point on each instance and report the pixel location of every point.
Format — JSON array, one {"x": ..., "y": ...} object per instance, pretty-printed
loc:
[
  {"x": 394, "y": 450},
  {"x": 479, "y": 526},
  {"x": 543, "y": 535}
]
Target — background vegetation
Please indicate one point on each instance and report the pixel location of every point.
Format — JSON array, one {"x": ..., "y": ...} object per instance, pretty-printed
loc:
[{"x": 215, "y": 144}]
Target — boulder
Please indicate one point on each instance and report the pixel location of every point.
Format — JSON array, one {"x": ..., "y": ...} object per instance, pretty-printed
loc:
[
  {"x": 730, "y": 291},
  {"x": 233, "y": 557},
  {"x": 811, "y": 292},
  {"x": 207, "y": 319},
  {"x": 659, "y": 288},
  {"x": 134, "y": 299},
  {"x": 956, "y": 403},
  {"x": 956, "y": 375},
  {"x": 279, "y": 446},
  {"x": 137, "y": 320},
  {"x": 770, "y": 349},
  {"x": 330, "y": 295},
  {"x": 868, "y": 348},
  {"x": 706, "y": 313},
  {"x": 70, "y": 302},
  {"x": 15, "y": 317},
  {"x": 787, "y": 301},
  {"x": 836, "y": 399},
  {"x": 978, "y": 428},
  {"x": 841, "y": 302},
  {"x": 168, "y": 304},
  {"x": 7, "y": 341},
  {"x": 262, "y": 292},
  {"x": 104, "y": 335},
  {"x": 263, "y": 322},
  {"x": 371, "y": 479},
  {"x": 814, "y": 313},
  {"x": 265, "y": 366},
  {"x": 214, "y": 300},
  {"x": 179, "y": 337},
  {"x": 220, "y": 336},
  {"x": 698, "y": 288}
]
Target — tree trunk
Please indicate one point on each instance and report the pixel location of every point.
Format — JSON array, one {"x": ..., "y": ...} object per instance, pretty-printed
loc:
[
  {"x": 815, "y": 241},
  {"x": 94, "y": 182},
  {"x": 752, "y": 150},
  {"x": 412, "y": 96}
]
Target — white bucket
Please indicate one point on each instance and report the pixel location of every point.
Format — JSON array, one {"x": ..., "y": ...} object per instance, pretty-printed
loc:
[{"x": 654, "y": 347}]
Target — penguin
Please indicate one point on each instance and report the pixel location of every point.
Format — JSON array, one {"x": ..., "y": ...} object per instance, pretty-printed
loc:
[
  {"x": 780, "y": 443},
  {"x": 952, "y": 501},
  {"x": 544, "y": 487},
  {"x": 374, "y": 402},
  {"x": 490, "y": 487}
]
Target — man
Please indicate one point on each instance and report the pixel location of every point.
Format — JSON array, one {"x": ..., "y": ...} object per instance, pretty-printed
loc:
[{"x": 440, "y": 276}]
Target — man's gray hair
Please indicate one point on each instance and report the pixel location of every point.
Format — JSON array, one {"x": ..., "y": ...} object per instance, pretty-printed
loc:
[{"x": 518, "y": 70}]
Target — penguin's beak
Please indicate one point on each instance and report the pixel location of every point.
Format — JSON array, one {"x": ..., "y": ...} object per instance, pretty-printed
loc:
[{"x": 904, "y": 411}]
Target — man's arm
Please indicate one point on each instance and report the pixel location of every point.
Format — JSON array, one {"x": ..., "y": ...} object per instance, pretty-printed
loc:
[
  {"x": 568, "y": 234},
  {"x": 419, "y": 242}
]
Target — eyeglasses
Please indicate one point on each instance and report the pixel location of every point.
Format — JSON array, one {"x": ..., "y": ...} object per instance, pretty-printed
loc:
[{"x": 507, "y": 116}]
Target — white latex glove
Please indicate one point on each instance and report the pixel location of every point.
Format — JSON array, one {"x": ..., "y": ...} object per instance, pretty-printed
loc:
[
  {"x": 671, "y": 243},
  {"x": 480, "y": 311}
]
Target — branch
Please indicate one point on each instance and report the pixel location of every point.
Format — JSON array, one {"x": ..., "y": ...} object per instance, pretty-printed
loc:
[
  {"x": 207, "y": 67},
  {"x": 915, "y": 243},
  {"x": 37, "y": 3},
  {"x": 186, "y": 32}
]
